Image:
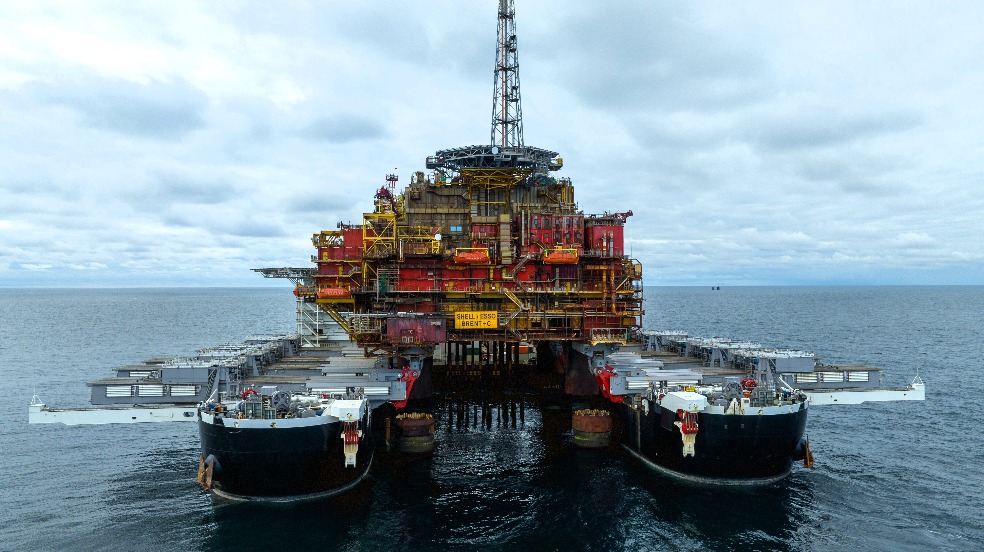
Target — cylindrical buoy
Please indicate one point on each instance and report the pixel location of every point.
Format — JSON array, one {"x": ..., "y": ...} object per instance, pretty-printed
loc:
[
  {"x": 592, "y": 428},
  {"x": 416, "y": 432}
]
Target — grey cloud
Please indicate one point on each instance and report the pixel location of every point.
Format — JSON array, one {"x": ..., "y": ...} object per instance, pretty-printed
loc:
[
  {"x": 23, "y": 186},
  {"x": 181, "y": 219},
  {"x": 848, "y": 168},
  {"x": 321, "y": 201},
  {"x": 654, "y": 57},
  {"x": 167, "y": 189},
  {"x": 668, "y": 134},
  {"x": 227, "y": 221},
  {"x": 217, "y": 222},
  {"x": 823, "y": 127},
  {"x": 871, "y": 188},
  {"x": 250, "y": 227},
  {"x": 440, "y": 34},
  {"x": 761, "y": 152},
  {"x": 814, "y": 130},
  {"x": 184, "y": 189},
  {"x": 341, "y": 129},
  {"x": 157, "y": 110}
]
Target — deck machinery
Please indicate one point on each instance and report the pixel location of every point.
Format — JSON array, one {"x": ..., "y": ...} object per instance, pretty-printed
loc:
[{"x": 487, "y": 248}]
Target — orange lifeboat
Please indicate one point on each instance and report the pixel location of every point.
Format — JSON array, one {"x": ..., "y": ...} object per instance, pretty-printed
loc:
[
  {"x": 304, "y": 291},
  {"x": 478, "y": 255},
  {"x": 333, "y": 293},
  {"x": 560, "y": 256}
]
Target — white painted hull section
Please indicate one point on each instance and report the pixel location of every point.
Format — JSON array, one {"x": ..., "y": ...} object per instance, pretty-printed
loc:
[
  {"x": 915, "y": 392},
  {"x": 40, "y": 414}
]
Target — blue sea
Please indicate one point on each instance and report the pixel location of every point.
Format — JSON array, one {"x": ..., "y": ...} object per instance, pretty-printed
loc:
[{"x": 888, "y": 476}]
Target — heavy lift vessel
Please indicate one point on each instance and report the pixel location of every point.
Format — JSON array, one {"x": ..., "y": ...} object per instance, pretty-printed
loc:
[
  {"x": 491, "y": 248},
  {"x": 473, "y": 261}
]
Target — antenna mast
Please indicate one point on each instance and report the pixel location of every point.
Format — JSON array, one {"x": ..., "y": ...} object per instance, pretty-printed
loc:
[
  {"x": 507, "y": 149},
  {"x": 507, "y": 111}
]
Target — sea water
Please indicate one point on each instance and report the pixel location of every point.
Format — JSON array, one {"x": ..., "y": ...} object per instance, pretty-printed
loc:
[{"x": 888, "y": 476}]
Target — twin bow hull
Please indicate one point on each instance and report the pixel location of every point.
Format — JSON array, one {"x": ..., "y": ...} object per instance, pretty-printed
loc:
[
  {"x": 733, "y": 449},
  {"x": 280, "y": 462}
]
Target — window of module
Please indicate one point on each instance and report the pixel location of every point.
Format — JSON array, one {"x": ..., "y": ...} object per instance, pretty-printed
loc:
[
  {"x": 456, "y": 229},
  {"x": 119, "y": 391},
  {"x": 150, "y": 390}
]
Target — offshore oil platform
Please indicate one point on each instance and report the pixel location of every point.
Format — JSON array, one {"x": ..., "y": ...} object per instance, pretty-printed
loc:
[{"x": 481, "y": 264}]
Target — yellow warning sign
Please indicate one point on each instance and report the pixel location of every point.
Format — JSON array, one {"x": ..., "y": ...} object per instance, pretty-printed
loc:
[{"x": 476, "y": 320}]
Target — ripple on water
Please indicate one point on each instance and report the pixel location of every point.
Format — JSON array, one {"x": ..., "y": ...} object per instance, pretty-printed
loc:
[{"x": 895, "y": 476}]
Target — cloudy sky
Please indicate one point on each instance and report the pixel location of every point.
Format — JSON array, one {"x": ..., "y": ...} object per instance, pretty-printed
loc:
[{"x": 183, "y": 143}]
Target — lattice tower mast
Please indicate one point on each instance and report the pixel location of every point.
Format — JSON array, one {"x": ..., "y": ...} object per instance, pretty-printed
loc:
[{"x": 507, "y": 110}]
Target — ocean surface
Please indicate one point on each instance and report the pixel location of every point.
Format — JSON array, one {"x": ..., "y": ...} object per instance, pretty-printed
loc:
[{"x": 888, "y": 476}]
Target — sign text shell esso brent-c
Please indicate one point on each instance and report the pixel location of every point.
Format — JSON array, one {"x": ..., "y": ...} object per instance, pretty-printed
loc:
[{"x": 476, "y": 319}]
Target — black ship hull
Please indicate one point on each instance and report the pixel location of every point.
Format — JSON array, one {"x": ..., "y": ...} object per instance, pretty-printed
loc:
[
  {"x": 728, "y": 448},
  {"x": 281, "y": 464}
]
